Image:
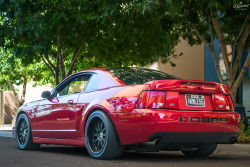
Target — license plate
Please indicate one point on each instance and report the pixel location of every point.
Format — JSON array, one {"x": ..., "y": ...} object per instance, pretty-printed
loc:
[{"x": 195, "y": 100}]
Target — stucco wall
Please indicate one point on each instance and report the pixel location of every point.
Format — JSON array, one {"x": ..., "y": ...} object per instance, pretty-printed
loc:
[
  {"x": 34, "y": 93},
  {"x": 188, "y": 66}
]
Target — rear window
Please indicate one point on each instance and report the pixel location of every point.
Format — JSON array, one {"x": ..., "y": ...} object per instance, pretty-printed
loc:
[{"x": 132, "y": 75}]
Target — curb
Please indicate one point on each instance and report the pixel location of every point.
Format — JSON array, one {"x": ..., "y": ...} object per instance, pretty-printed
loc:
[
  {"x": 233, "y": 149},
  {"x": 6, "y": 127}
]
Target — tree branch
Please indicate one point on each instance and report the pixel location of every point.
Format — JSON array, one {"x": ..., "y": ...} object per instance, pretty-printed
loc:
[
  {"x": 242, "y": 73},
  {"x": 75, "y": 56},
  {"x": 216, "y": 63},
  {"x": 211, "y": 32},
  {"x": 50, "y": 68},
  {"x": 199, "y": 35},
  {"x": 58, "y": 50},
  {"x": 52, "y": 57},
  {"x": 14, "y": 92},
  {"x": 216, "y": 23},
  {"x": 241, "y": 45},
  {"x": 24, "y": 90},
  {"x": 235, "y": 41},
  {"x": 211, "y": 48},
  {"x": 73, "y": 61},
  {"x": 50, "y": 63},
  {"x": 62, "y": 68}
]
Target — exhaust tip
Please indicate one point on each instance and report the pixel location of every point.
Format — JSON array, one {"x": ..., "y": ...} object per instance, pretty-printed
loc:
[
  {"x": 232, "y": 140},
  {"x": 155, "y": 142}
]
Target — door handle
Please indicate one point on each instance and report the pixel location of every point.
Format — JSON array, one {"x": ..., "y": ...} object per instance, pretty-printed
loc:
[{"x": 70, "y": 101}]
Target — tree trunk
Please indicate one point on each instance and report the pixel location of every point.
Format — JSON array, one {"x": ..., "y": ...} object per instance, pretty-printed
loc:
[
  {"x": 24, "y": 91},
  {"x": 15, "y": 93},
  {"x": 233, "y": 94}
]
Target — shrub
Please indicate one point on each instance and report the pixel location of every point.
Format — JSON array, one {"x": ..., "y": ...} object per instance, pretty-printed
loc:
[{"x": 244, "y": 136}]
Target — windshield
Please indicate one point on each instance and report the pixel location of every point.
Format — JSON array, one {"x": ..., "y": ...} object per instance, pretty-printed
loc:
[{"x": 132, "y": 75}]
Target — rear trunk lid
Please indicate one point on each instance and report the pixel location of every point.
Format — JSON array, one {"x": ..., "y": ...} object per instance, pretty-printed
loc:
[{"x": 194, "y": 94}]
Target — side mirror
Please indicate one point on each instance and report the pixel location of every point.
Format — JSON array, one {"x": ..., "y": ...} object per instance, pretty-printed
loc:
[{"x": 46, "y": 94}]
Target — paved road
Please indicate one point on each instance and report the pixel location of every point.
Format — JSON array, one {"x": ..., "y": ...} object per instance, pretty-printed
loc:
[{"x": 51, "y": 155}]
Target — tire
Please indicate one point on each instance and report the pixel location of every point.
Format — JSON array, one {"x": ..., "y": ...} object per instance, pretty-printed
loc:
[
  {"x": 24, "y": 134},
  {"x": 202, "y": 151},
  {"x": 101, "y": 139}
]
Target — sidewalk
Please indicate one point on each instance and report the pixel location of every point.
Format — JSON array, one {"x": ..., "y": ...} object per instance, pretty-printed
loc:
[
  {"x": 233, "y": 148},
  {"x": 6, "y": 127},
  {"x": 6, "y": 133}
]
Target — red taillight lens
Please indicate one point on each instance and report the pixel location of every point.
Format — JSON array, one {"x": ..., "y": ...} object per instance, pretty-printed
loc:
[
  {"x": 231, "y": 103},
  {"x": 219, "y": 102},
  {"x": 223, "y": 102},
  {"x": 227, "y": 103},
  {"x": 151, "y": 99},
  {"x": 161, "y": 99},
  {"x": 143, "y": 100}
]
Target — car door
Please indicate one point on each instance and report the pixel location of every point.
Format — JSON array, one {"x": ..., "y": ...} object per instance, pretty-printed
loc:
[{"x": 55, "y": 117}]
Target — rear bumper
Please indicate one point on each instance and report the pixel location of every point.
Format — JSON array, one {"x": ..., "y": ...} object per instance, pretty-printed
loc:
[
  {"x": 142, "y": 125},
  {"x": 198, "y": 137}
]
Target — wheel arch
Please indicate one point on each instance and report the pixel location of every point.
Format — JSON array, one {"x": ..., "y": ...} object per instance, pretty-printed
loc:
[
  {"x": 105, "y": 111},
  {"x": 100, "y": 124},
  {"x": 23, "y": 112}
]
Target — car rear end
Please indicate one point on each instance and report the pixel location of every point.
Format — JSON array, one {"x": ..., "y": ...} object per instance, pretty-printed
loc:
[
  {"x": 190, "y": 111},
  {"x": 172, "y": 114},
  {"x": 180, "y": 112}
]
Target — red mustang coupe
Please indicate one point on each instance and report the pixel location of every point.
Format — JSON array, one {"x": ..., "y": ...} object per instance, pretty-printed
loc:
[{"x": 108, "y": 110}]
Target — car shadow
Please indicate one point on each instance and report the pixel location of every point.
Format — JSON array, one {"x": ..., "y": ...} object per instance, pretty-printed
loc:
[
  {"x": 164, "y": 156},
  {"x": 59, "y": 149}
]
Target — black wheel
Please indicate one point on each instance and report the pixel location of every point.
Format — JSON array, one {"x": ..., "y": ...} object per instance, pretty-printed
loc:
[
  {"x": 101, "y": 139},
  {"x": 202, "y": 151},
  {"x": 24, "y": 134}
]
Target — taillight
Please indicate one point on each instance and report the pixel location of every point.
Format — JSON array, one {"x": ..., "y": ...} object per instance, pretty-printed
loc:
[
  {"x": 223, "y": 102},
  {"x": 151, "y": 99},
  {"x": 143, "y": 100},
  {"x": 231, "y": 102},
  {"x": 161, "y": 99},
  {"x": 227, "y": 103}
]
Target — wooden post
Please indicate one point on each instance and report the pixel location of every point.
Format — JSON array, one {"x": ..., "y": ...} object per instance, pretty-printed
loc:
[{"x": 1, "y": 107}]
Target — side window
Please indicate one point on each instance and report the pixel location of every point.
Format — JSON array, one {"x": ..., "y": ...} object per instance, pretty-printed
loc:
[
  {"x": 93, "y": 83},
  {"x": 76, "y": 84}
]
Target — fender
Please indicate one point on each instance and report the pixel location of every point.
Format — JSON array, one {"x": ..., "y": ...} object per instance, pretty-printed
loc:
[{"x": 30, "y": 110}]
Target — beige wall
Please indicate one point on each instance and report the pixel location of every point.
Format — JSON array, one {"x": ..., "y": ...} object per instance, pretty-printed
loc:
[
  {"x": 34, "y": 93},
  {"x": 188, "y": 66}
]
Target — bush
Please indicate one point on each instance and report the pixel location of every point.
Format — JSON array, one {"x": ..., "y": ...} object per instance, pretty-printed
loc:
[{"x": 244, "y": 136}]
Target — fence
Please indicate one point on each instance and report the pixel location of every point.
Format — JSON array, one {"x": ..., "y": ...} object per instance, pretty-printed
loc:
[{"x": 8, "y": 107}]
